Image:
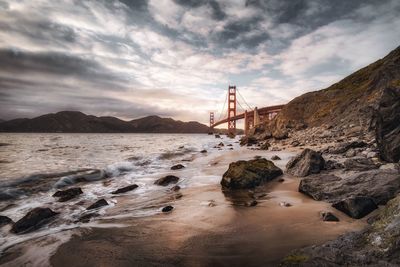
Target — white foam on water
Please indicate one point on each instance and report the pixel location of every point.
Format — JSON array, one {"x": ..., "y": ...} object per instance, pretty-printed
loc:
[{"x": 152, "y": 158}]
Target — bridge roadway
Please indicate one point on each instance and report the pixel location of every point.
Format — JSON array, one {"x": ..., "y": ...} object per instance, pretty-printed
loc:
[{"x": 261, "y": 112}]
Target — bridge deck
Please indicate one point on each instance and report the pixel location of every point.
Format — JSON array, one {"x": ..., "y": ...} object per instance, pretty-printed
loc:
[{"x": 261, "y": 112}]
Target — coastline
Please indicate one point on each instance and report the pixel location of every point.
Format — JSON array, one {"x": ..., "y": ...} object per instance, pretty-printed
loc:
[
  {"x": 206, "y": 227},
  {"x": 227, "y": 234}
]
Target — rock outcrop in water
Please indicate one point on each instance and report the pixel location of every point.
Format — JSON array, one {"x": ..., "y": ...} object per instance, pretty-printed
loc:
[
  {"x": 33, "y": 220},
  {"x": 78, "y": 122},
  {"x": 68, "y": 194},
  {"x": 4, "y": 220},
  {"x": 166, "y": 180},
  {"x": 98, "y": 204},
  {"x": 249, "y": 174},
  {"x": 125, "y": 189}
]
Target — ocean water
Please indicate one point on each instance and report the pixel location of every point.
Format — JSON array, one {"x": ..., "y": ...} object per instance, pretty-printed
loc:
[{"x": 34, "y": 166}]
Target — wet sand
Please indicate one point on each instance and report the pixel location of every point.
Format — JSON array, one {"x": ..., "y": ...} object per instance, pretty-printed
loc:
[{"x": 196, "y": 233}]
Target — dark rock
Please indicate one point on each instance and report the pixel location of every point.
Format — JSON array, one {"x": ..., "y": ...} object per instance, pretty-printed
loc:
[
  {"x": 230, "y": 135},
  {"x": 249, "y": 174},
  {"x": 203, "y": 151},
  {"x": 4, "y": 220},
  {"x": 248, "y": 140},
  {"x": 86, "y": 217},
  {"x": 360, "y": 164},
  {"x": 356, "y": 207},
  {"x": 265, "y": 146},
  {"x": 125, "y": 189},
  {"x": 342, "y": 148},
  {"x": 333, "y": 165},
  {"x": 221, "y": 144},
  {"x": 167, "y": 209},
  {"x": 328, "y": 216},
  {"x": 381, "y": 185},
  {"x": 68, "y": 194},
  {"x": 177, "y": 167},
  {"x": 388, "y": 124},
  {"x": 217, "y": 136},
  {"x": 275, "y": 157},
  {"x": 34, "y": 219},
  {"x": 98, "y": 204},
  {"x": 164, "y": 181},
  {"x": 275, "y": 149},
  {"x": 176, "y": 188},
  {"x": 229, "y": 145},
  {"x": 295, "y": 143},
  {"x": 306, "y": 163},
  {"x": 281, "y": 180}
]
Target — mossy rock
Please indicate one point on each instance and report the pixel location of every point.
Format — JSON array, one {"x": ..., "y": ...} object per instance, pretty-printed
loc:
[{"x": 249, "y": 174}]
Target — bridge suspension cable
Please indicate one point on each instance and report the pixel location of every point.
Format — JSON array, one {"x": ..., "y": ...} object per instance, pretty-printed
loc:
[
  {"x": 223, "y": 107},
  {"x": 250, "y": 108}
]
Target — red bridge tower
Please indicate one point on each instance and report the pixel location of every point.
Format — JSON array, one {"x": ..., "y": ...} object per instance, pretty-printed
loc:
[{"x": 232, "y": 109}]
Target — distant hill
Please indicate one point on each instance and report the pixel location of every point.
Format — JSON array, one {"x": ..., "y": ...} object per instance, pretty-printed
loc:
[
  {"x": 351, "y": 101},
  {"x": 78, "y": 122}
]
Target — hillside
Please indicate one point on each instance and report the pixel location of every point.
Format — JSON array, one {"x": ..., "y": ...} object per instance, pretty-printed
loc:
[
  {"x": 78, "y": 122},
  {"x": 351, "y": 101}
]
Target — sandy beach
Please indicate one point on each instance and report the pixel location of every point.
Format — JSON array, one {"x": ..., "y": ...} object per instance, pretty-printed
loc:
[
  {"x": 197, "y": 233},
  {"x": 207, "y": 227}
]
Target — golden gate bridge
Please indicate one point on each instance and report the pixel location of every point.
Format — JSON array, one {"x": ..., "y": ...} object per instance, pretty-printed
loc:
[{"x": 252, "y": 116}]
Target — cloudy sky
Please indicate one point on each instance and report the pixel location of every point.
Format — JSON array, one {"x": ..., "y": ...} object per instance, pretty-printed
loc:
[{"x": 176, "y": 58}]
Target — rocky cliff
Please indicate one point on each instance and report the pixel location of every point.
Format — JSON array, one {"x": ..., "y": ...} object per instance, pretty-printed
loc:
[{"x": 350, "y": 102}]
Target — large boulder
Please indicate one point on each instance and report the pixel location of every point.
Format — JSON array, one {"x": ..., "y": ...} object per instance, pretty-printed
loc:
[
  {"x": 249, "y": 174},
  {"x": 356, "y": 207},
  {"x": 34, "y": 219},
  {"x": 65, "y": 195},
  {"x": 306, "y": 163},
  {"x": 388, "y": 125},
  {"x": 380, "y": 185}
]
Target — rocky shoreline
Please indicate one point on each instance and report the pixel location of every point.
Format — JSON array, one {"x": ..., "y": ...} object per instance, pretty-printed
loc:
[{"x": 354, "y": 169}]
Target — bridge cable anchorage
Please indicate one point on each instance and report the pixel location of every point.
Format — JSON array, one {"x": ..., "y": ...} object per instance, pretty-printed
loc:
[
  {"x": 222, "y": 110},
  {"x": 250, "y": 108}
]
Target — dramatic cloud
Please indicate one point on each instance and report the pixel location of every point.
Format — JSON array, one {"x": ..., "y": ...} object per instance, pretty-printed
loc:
[{"x": 131, "y": 58}]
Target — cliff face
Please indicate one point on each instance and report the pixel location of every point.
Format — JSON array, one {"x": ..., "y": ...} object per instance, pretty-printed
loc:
[
  {"x": 78, "y": 122},
  {"x": 350, "y": 101}
]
